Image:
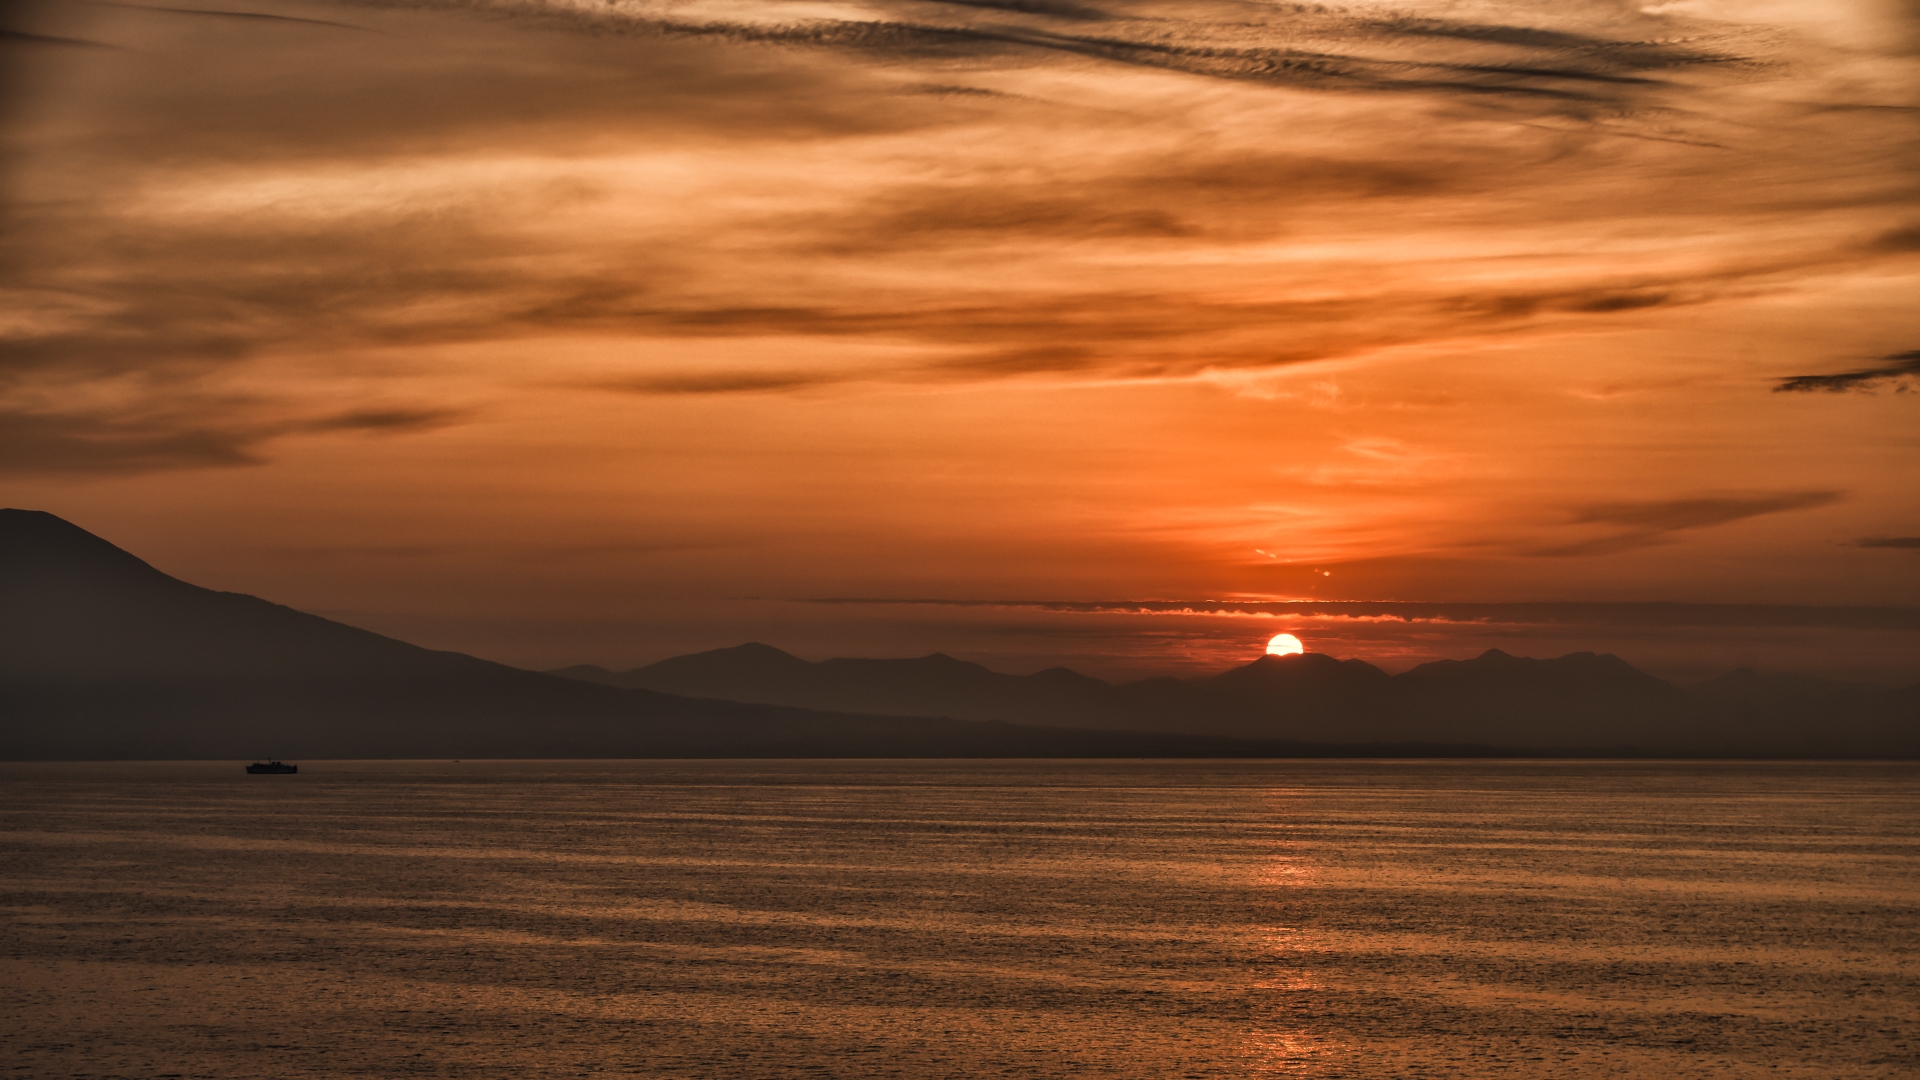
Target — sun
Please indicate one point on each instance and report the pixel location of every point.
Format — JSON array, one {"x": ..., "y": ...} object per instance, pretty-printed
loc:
[{"x": 1285, "y": 645}]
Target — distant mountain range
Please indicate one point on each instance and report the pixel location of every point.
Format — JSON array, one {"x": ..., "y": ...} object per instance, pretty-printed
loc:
[
  {"x": 1581, "y": 701},
  {"x": 102, "y": 656}
]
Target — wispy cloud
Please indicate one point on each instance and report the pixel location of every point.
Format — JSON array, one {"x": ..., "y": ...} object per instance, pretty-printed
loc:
[
  {"x": 269, "y": 16},
  {"x": 1099, "y": 191},
  {"x": 224, "y": 435},
  {"x": 1007, "y": 297},
  {"x": 1319, "y": 47},
  {"x": 387, "y": 420},
  {"x": 32, "y": 443},
  {"x": 1644, "y": 524},
  {"x": 23, "y": 38},
  {"x": 1895, "y": 369}
]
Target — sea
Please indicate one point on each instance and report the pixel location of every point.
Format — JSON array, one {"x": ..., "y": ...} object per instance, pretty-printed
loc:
[{"x": 936, "y": 919}]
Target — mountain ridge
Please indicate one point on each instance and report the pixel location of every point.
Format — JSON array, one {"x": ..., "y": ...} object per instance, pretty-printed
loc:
[
  {"x": 1582, "y": 699},
  {"x": 104, "y": 656}
]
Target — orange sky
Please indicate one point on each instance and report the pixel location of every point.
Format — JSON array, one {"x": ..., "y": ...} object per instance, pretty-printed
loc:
[{"x": 563, "y": 332}]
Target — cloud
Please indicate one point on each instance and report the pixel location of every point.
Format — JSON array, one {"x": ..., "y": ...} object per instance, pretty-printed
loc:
[
  {"x": 21, "y": 37},
  {"x": 388, "y": 420},
  {"x": 1115, "y": 334},
  {"x": 1896, "y": 368},
  {"x": 1903, "y": 239},
  {"x": 1644, "y": 524},
  {"x": 1909, "y": 543},
  {"x": 1098, "y": 191},
  {"x": 1315, "y": 47},
  {"x": 718, "y": 383},
  {"x": 1675, "y": 514},
  {"x": 248, "y": 15},
  {"x": 1051, "y": 8},
  {"x": 1222, "y": 198},
  {"x": 213, "y": 435},
  {"x": 84, "y": 444},
  {"x": 1615, "y": 615}
]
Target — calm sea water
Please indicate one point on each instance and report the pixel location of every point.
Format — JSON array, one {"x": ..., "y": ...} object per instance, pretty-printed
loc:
[{"x": 961, "y": 919}]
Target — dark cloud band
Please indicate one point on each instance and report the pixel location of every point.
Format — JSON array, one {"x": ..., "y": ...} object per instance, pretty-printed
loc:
[
  {"x": 1894, "y": 369},
  {"x": 1623, "y": 615}
]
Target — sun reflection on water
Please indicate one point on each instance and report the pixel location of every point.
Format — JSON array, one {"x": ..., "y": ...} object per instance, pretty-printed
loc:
[{"x": 1281, "y": 1039}]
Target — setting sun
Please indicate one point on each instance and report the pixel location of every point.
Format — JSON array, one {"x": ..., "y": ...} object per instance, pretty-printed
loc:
[
  {"x": 806, "y": 477},
  {"x": 1284, "y": 645}
]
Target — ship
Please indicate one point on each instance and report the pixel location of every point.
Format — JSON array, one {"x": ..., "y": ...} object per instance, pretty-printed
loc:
[{"x": 272, "y": 767}]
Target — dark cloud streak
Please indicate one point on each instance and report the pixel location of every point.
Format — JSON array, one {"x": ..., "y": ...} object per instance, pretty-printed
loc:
[
  {"x": 208, "y": 13},
  {"x": 69, "y": 445},
  {"x": 21, "y": 37},
  {"x": 1588, "y": 63},
  {"x": 1896, "y": 368},
  {"x": 1675, "y": 514},
  {"x": 1657, "y": 614},
  {"x": 1645, "y": 524},
  {"x": 1050, "y": 8},
  {"x": 211, "y": 435},
  {"x": 389, "y": 420}
]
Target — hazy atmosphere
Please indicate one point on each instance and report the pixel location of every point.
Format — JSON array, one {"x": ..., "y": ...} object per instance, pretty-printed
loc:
[
  {"x": 924, "y": 540},
  {"x": 599, "y": 332}
]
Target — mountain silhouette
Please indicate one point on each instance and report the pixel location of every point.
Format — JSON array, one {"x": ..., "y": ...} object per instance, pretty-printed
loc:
[
  {"x": 1312, "y": 693},
  {"x": 1579, "y": 702},
  {"x": 936, "y": 685},
  {"x": 1798, "y": 713},
  {"x": 102, "y": 656},
  {"x": 1573, "y": 699}
]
